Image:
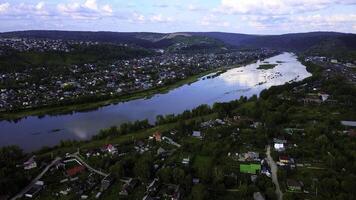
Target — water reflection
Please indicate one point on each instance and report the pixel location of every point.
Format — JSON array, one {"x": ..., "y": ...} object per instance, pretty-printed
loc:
[{"x": 32, "y": 132}]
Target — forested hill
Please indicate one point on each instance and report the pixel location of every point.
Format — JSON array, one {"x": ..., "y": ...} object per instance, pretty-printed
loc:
[
  {"x": 112, "y": 37},
  {"x": 327, "y": 43},
  {"x": 331, "y": 44},
  {"x": 295, "y": 41}
]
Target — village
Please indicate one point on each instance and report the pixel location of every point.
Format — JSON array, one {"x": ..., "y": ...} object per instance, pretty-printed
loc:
[
  {"x": 41, "y": 45},
  {"x": 166, "y": 163},
  {"x": 74, "y": 176},
  {"x": 256, "y": 148},
  {"x": 333, "y": 67},
  {"x": 42, "y": 86},
  {"x": 294, "y": 141}
]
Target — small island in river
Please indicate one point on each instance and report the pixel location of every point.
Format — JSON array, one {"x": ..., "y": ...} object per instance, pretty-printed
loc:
[{"x": 267, "y": 66}]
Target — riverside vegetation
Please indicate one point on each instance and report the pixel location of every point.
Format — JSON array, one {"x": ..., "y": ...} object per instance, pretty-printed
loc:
[{"x": 323, "y": 149}]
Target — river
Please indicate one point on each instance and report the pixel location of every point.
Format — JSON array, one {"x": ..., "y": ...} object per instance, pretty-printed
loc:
[{"x": 32, "y": 133}]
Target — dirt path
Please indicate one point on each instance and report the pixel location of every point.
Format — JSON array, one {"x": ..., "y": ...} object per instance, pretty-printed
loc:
[
  {"x": 38, "y": 177},
  {"x": 274, "y": 170}
]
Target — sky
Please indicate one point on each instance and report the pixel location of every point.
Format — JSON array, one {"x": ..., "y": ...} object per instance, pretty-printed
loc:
[{"x": 237, "y": 16}]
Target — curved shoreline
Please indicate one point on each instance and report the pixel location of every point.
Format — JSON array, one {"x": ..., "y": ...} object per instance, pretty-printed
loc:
[{"x": 82, "y": 107}]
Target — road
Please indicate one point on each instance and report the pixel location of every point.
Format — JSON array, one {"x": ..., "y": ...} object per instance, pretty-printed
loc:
[
  {"x": 87, "y": 165},
  {"x": 38, "y": 177},
  {"x": 274, "y": 170}
]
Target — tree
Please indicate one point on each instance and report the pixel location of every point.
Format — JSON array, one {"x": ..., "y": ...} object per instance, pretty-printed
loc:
[
  {"x": 165, "y": 174},
  {"x": 199, "y": 192},
  {"x": 142, "y": 167},
  {"x": 117, "y": 170},
  {"x": 178, "y": 176}
]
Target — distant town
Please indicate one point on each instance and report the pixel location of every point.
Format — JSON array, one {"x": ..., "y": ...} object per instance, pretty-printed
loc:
[{"x": 23, "y": 90}]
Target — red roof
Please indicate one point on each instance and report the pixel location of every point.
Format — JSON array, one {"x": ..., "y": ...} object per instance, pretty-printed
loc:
[
  {"x": 352, "y": 133},
  {"x": 157, "y": 136},
  {"x": 75, "y": 170},
  {"x": 283, "y": 158}
]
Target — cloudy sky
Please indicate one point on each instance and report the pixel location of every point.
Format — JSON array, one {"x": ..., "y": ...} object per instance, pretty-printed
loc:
[{"x": 242, "y": 16}]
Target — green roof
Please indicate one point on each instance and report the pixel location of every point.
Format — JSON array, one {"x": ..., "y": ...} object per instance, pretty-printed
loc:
[{"x": 250, "y": 168}]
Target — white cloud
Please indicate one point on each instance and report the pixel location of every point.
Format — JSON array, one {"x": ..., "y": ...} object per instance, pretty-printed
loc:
[
  {"x": 40, "y": 9},
  {"x": 138, "y": 18},
  {"x": 329, "y": 19},
  {"x": 4, "y": 7},
  {"x": 192, "y": 7},
  {"x": 87, "y": 10},
  {"x": 213, "y": 21},
  {"x": 91, "y": 4},
  {"x": 107, "y": 8},
  {"x": 23, "y": 10},
  {"x": 302, "y": 23},
  {"x": 160, "y": 19},
  {"x": 40, "y": 5},
  {"x": 276, "y": 7}
]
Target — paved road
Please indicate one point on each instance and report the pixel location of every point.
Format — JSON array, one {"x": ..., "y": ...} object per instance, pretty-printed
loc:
[
  {"x": 38, "y": 177},
  {"x": 274, "y": 170}
]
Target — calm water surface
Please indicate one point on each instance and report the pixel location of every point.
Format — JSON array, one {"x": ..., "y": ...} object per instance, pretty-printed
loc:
[{"x": 32, "y": 133}]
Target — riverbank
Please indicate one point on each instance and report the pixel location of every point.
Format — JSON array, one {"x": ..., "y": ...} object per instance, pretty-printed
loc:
[
  {"x": 66, "y": 109},
  {"x": 230, "y": 85},
  {"x": 93, "y": 105},
  {"x": 267, "y": 66}
]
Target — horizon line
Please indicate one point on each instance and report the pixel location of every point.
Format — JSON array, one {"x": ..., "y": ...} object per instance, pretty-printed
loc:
[{"x": 108, "y": 31}]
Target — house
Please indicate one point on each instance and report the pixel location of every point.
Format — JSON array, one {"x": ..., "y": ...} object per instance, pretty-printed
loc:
[
  {"x": 258, "y": 196},
  {"x": 129, "y": 186},
  {"x": 157, "y": 136},
  {"x": 161, "y": 151},
  {"x": 34, "y": 190},
  {"x": 334, "y": 61},
  {"x": 170, "y": 141},
  {"x": 169, "y": 191},
  {"x": 197, "y": 134},
  {"x": 195, "y": 181},
  {"x": 220, "y": 121},
  {"x": 186, "y": 161},
  {"x": 153, "y": 186},
  {"x": 349, "y": 123},
  {"x": 351, "y": 133},
  {"x": 249, "y": 156},
  {"x": 294, "y": 185},
  {"x": 75, "y": 170},
  {"x": 324, "y": 96},
  {"x": 111, "y": 149},
  {"x": 265, "y": 169},
  {"x": 279, "y": 147},
  {"x": 250, "y": 168},
  {"x": 291, "y": 131},
  {"x": 30, "y": 164},
  {"x": 312, "y": 99},
  {"x": 173, "y": 132},
  {"x": 284, "y": 159},
  {"x": 276, "y": 140},
  {"x": 256, "y": 124},
  {"x": 106, "y": 183}
]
